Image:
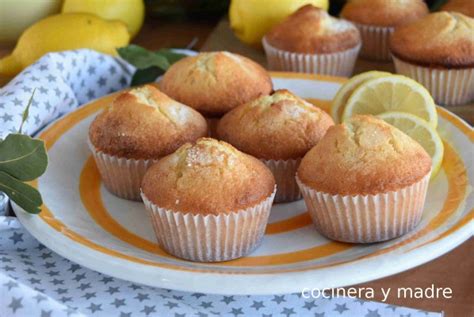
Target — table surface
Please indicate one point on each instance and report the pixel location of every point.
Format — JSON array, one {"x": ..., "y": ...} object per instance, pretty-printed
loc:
[{"x": 454, "y": 269}]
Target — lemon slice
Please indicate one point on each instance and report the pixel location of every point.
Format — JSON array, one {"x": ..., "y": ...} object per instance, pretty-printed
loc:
[
  {"x": 392, "y": 93},
  {"x": 420, "y": 131},
  {"x": 343, "y": 94}
]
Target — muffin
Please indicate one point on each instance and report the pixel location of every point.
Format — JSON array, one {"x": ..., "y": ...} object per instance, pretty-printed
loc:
[
  {"x": 216, "y": 82},
  {"x": 438, "y": 52},
  {"x": 465, "y": 7},
  {"x": 208, "y": 201},
  {"x": 377, "y": 19},
  {"x": 311, "y": 41},
  {"x": 138, "y": 128},
  {"x": 365, "y": 181},
  {"x": 278, "y": 129}
]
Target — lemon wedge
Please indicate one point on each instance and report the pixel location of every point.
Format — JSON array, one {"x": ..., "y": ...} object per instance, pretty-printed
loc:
[
  {"x": 420, "y": 131},
  {"x": 343, "y": 94},
  {"x": 392, "y": 93}
]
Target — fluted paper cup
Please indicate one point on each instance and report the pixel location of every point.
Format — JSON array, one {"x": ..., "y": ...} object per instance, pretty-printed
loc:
[
  {"x": 284, "y": 172},
  {"x": 210, "y": 238},
  {"x": 366, "y": 219},
  {"x": 449, "y": 87},
  {"x": 335, "y": 64},
  {"x": 121, "y": 176},
  {"x": 375, "y": 42}
]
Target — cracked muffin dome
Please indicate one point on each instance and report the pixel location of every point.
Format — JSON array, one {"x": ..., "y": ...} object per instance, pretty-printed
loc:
[
  {"x": 465, "y": 7},
  {"x": 384, "y": 12},
  {"x": 363, "y": 156},
  {"x": 213, "y": 83},
  {"x": 442, "y": 39},
  {"x": 144, "y": 123},
  {"x": 280, "y": 126},
  {"x": 208, "y": 177},
  {"x": 312, "y": 30}
]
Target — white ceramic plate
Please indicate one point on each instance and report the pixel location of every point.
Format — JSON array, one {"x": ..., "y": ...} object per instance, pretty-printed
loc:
[{"x": 84, "y": 223}]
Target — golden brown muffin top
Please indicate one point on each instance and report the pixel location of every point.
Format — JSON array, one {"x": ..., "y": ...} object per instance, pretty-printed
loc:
[
  {"x": 208, "y": 177},
  {"x": 280, "y": 126},
  {"x": 362, "y": 156},
  {"x": 144, "y": 123},
  {"x": 312, "y": 30},
  {"x": 384, "y": 12},
  {"x": 214, "y": 83},
  {"x": 443, "y": 39},
  {"x": 465, "y": 7}
]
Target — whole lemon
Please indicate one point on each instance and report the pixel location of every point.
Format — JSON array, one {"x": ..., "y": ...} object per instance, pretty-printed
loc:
[
  {"x": 131, "y": 12},
  {"x": 64, "y": 32},
  {"x": 251, "y": 19},
  {"x": 17, "y": 15}
]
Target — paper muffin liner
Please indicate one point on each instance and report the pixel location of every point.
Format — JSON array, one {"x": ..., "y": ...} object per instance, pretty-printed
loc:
[
  {"x": 121, "y": 176},
  {"x": 284, "y": 172},
  {"x": 366, "y": 219},
  {"x": 210, "y": 238},
  {"x": 335, "y": 64},
  {"x": 449, "y": 87},
  {"x": 375, "y": 42}
]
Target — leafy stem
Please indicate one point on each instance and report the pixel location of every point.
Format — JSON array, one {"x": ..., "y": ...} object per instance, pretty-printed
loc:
[
  {"x": 22, "y": 159},
  {"x": 26, "y": 112}
]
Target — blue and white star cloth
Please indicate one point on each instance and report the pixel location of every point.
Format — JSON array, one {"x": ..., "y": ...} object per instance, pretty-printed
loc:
[
  {"x": 61, "y": 82},
  {"x": 35, "y": 281}
]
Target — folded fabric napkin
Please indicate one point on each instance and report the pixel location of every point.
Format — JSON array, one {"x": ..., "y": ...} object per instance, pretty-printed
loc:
[
  {"x": 34, "y": 281},
  {"x": 61, "y": 81}
]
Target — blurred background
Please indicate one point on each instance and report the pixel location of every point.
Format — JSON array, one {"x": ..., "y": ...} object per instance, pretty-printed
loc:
[
  {"x": 32, "y": 28},
  {"x": 17, "y": 15}
]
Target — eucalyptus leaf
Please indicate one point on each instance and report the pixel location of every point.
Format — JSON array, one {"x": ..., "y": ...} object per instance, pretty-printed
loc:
[
  {"x": 142, "y": 58},
  {"x": 23, "y": 157},
  {"x": 170, "y": 55},
  {"x": 22, "y": 194},
  {"x": 437, "y": 4},
  {"x": 26, "y": 112},
  {"x": 144, "y": 76},
  {"x": 149, "y": 64}
]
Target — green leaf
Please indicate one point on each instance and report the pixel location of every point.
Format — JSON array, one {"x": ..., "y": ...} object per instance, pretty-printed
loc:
[
  {"x": 23, "y": 157},
  {"x": 22, "y": 194},
  {"x": 149, "y": 64},
  {"x": 144, "y": 76},
  {"x": 26, "y": 112},
  {"x": 142, "y": 58},
  {"x": 170, "y": 55},
  {"x": 437, "y": 4}
]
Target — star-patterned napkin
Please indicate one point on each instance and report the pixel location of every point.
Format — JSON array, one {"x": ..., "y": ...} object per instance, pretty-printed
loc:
[
  {"x": 61, "y": 81},
  {"x": 34, "y": 281}
]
